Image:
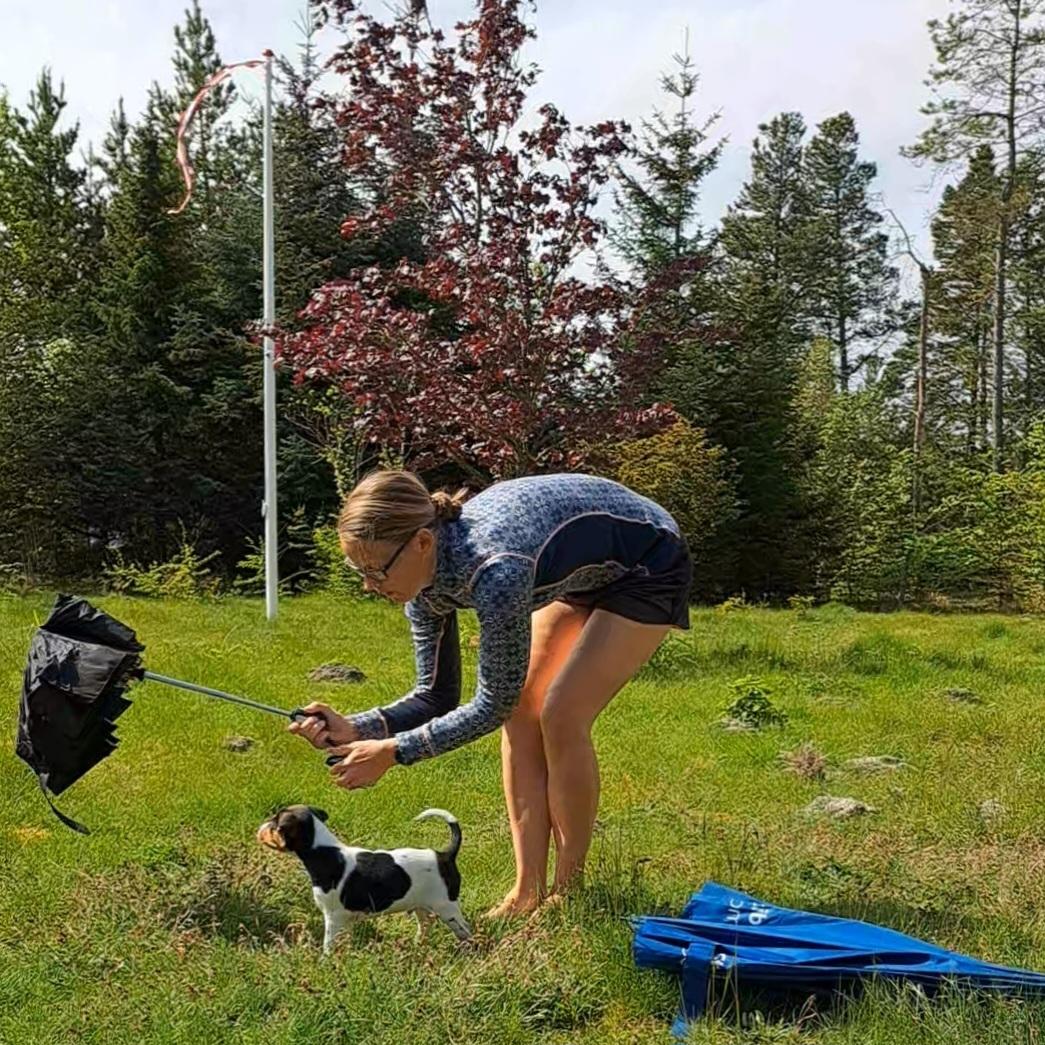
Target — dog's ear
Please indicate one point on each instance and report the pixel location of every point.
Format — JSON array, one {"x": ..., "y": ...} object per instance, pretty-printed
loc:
[
  {"x": 297, "y": 827},
  {"x": 320, "y": 814}
]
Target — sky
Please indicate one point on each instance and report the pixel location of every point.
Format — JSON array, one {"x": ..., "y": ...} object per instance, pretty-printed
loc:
[{"x": 600, "y": 59}]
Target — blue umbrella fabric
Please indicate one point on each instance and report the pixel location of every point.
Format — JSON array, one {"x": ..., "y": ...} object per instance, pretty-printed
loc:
[{"x": 728, "y": 938}]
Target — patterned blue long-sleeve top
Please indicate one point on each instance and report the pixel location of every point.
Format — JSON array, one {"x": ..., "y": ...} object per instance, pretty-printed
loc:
[{"x": 517, "y": 546}]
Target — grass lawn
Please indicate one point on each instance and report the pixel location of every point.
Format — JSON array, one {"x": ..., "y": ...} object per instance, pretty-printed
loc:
[{"x": 170, "y": 924}]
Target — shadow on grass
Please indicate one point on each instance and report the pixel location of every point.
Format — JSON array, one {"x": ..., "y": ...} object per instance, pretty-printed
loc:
[
  {"x": 236, "y": 913},
  {"x": 784, "y": 1014},
  {"x": 937, "y": 924},
  {"x": 235, "y": 897}
]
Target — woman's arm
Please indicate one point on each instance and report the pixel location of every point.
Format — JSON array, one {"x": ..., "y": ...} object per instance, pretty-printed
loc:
[
  {"x": 437, "y": 654},
  {"x": 502, "y": 592}
]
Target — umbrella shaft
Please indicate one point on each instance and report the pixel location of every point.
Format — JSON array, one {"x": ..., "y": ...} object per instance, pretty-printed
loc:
[{"x": 206, "y": 691}]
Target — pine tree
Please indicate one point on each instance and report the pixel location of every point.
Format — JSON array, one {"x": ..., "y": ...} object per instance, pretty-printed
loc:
[
  {"x": 141, "y": 292},
  {"x": 196, "y": 58},
  {"x": 47, "y": 232},
  {"x": 113, "y": 160},
  {"x": 766, "y": 233},
  {"x": 147, "y": 264},
  {"x": 657, "y": 230},
  {"x": 314, "y": 194}
]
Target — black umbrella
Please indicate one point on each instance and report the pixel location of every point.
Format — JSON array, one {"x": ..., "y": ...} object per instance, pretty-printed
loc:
[{"x": 81, "y": 662}]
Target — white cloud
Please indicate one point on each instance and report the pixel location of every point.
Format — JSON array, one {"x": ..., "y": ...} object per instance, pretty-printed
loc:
[
  {"x": 756, "y": 59},
  {"x": 600, "y": 59}
]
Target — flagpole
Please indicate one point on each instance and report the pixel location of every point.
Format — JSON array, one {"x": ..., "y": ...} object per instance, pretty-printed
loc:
[{"x": 269, "y": 506}]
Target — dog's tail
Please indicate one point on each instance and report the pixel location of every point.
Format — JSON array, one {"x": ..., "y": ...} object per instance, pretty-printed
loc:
[{"x": 451, "y": 820}]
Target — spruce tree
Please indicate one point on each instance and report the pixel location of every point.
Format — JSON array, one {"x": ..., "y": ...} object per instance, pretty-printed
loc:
[
  {"x": 964, "y": 242},
  {"x": 852, "y": 304},
  {"x": 658, "y": 206},
  {"x": 990, "y": 58},
  {"x": 750, "y": 371},
  {"x": 47, "y": 259}
]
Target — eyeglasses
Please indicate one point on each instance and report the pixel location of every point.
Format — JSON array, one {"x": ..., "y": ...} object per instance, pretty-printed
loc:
[{"x": 380, "y": 575}]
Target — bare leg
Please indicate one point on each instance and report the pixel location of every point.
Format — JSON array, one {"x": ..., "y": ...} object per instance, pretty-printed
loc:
[
  {"x": 524, "y": 773},
  {"x": 610, "y": 650}
]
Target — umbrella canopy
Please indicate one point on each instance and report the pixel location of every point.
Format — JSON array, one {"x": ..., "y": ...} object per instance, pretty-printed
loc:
[
  {"x": 81, "y": 661},
  {"x": 727, "y": 936}
]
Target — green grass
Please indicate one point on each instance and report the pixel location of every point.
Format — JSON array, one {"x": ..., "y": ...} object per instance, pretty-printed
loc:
[{"x": 170, "y": 924}]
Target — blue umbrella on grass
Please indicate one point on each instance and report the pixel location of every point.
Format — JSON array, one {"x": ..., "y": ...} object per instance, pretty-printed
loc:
[{"x": 728, "y": 942}]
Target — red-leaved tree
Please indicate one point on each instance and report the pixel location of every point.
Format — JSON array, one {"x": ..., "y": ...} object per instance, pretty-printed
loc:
[{"x": 485, "y": 346}]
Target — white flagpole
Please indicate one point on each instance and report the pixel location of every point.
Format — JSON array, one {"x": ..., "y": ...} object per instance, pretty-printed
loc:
[{"x": 269, "y": 505}]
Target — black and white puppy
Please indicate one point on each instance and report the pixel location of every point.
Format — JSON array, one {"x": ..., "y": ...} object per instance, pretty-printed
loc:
[{"x": 350, "y": 883}]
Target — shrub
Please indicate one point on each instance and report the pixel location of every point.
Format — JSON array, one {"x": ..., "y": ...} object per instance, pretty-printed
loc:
[
  {"x": 679, "y": 470},
  {"x": 751, "y": 704},
  {"x": 331, "y": 572},
  {"x": 185, "y": 576}
]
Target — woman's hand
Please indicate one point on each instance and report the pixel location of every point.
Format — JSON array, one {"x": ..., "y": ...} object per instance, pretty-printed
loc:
[
  {"x": 324, "y": 727},
  {"x": 365, "y": 762}
]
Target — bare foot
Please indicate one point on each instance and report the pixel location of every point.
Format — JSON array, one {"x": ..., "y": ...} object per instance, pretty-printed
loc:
[
  {"x": 559, "y": 894},
  {"x": 513, "y": 905},
  {"x": 548, "y": 904},
  {"x": 560, "y": 890},
  {"x": 554, "y": 900}
]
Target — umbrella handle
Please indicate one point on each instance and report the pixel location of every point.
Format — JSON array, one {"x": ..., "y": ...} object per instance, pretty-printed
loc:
[{"x": 299, "y": 715}]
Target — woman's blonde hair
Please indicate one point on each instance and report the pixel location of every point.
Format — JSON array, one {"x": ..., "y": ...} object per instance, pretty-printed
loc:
[{"x": 392, "y": 506}]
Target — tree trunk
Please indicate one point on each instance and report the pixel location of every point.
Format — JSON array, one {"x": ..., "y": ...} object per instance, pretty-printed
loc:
[
  {"x": 843, "y": 353},
  {"x": 1028, "y": 388},
  {"x": 920, "y": 395},
  {"x": 843, "y": 339},
  {"x": 974, "y": 408},
  {"x": 999, "y": 334},
  {"x": 982, "y": 363},
  {"x": 1003, "y": 249}
]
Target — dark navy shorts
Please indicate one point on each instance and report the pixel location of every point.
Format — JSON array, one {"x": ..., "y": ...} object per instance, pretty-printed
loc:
[{"x": 656, "y": 591}]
